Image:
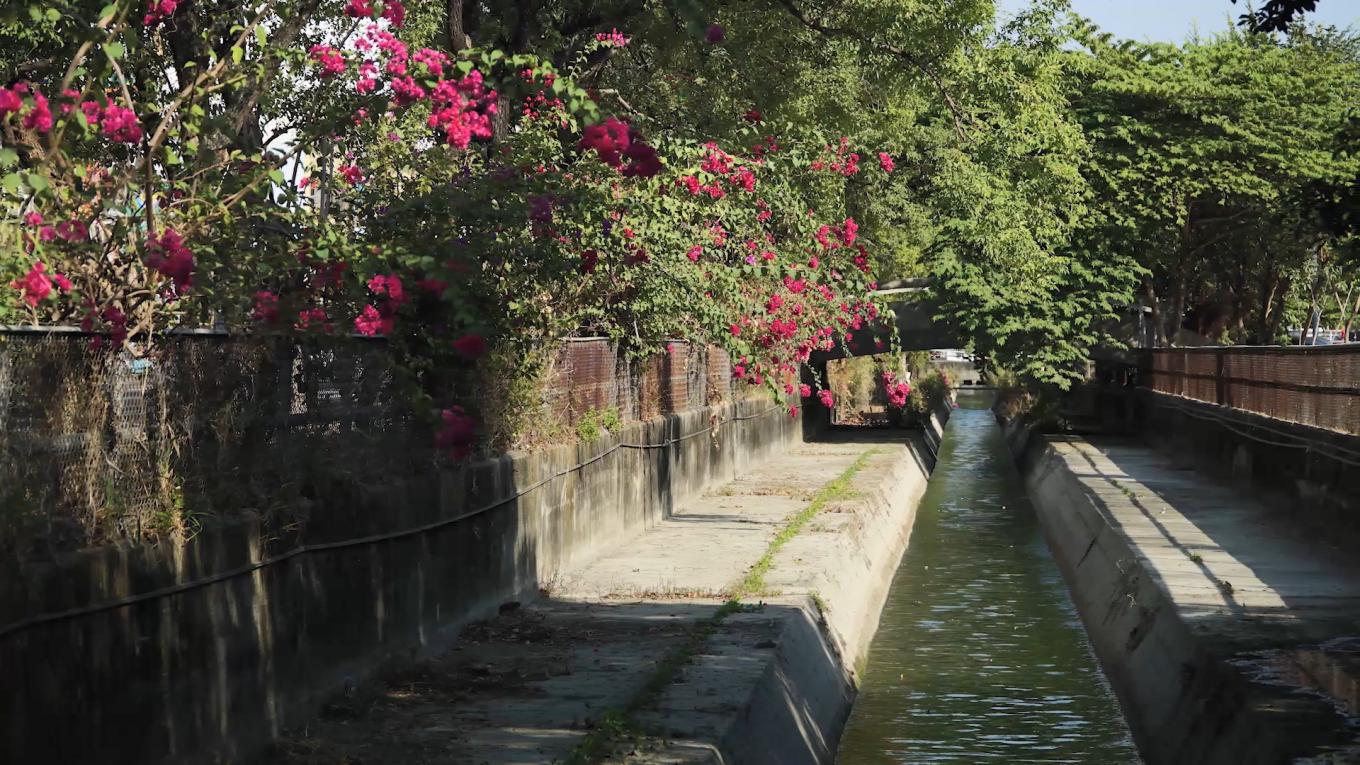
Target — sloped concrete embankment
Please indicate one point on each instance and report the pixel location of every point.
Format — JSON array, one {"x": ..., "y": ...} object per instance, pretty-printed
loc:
[
  {"x": 827, "y": 588},
  {"x": 834, "y": 579},
  {"x": 1222, "y": 630},
  {"x": 203, "y": 652},
  {"x": 729, "y": 632}
]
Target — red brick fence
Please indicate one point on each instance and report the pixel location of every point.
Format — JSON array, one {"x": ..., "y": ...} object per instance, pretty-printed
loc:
[{"x": 1317, "y": 386}]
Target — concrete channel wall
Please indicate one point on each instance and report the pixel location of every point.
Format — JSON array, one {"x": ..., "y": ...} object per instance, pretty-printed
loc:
[
  {"x": 1185, "y": 659},
  {"x": 1314, "y": 471},
  {"x": 796, "y": 711},
  {"x": 203, "y": 652}
]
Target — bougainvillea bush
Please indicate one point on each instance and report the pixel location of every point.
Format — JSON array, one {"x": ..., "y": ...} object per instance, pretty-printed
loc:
[{"x": 466, "y": 205}]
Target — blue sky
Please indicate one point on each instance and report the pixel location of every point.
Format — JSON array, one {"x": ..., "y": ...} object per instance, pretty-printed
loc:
[{"x": 1174, "y": 20}]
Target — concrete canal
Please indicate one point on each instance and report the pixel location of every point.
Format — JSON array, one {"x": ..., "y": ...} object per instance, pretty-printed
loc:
[{"x": 980, "y": 655}]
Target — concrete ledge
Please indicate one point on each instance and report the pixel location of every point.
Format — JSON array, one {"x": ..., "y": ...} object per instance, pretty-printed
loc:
[
  {"x": 1197, "y": 605},
  {"x": 1311, "y": 472},
  {"x": 790, "y": 704},
  {"x": 254, "y": 644}
]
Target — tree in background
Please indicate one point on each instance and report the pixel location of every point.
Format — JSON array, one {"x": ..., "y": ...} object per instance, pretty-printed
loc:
[
  {"x": 1205, "y": 162},
  {"x": 1277, "y": 15}
]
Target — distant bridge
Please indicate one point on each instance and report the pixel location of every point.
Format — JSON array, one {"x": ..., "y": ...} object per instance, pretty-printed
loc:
[{"x": 913, "y": 321}]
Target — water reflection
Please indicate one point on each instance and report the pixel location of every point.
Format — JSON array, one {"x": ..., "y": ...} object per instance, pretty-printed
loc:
[{"x": 980, "y": 656}]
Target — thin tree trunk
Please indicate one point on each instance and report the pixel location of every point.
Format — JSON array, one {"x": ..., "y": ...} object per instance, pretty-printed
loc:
[
  {"x": 1177, "y": 309},
  {"x": 1158, "y": 335},
  {"x": 456, "y": 25},
  {"x": 1268, "y": 288}
]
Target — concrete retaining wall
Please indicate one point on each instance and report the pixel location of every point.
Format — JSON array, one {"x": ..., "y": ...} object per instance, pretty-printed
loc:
[
  {"x": 1184, "y": 700},
  {"x": 1293, "y": 462},
  {"x": 796, "y": 713},
  {"x": 223, "y": 645}
]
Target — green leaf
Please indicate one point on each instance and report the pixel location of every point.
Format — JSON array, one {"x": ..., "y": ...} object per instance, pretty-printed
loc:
[
  {"x": 38, "y": 182},
  {"x": 276, "y": 176},
  {"x": 114, "y": 49},
  {"x": 8, "y": 157},
  {"x": 237, "y": 53},
  {"x": 107, "y": 12},
  {"x": 261, "y": 36}
]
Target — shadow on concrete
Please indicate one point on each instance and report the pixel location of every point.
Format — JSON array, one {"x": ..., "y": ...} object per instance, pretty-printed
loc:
[
  {"x": 1252, "y": 598},
  {"x": 1261, "y": 565},
  {"x": 529, "y": 685}
]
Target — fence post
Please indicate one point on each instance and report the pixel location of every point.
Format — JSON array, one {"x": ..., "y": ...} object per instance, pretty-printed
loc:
[{"x": 1220, "y": 381}]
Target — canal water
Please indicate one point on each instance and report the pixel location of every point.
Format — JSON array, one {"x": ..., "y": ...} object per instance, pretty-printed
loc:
[{"x": 980, "y": 656}]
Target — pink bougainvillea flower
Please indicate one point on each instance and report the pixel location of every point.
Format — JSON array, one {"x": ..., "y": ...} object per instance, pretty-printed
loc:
[
  {"x": 744, "y": 179},
  {"x": 266, "y": 307},
  {"x": 389, "y": 285},
  {"x": 694, "y": 253},
  {"x": 10, "y": 102},
  {"x": 644, "y": 161},
  {"x": 33, "y": 218},
  {"x": 119, "y": 124},
  {"x": 470, "y": 347},
  {"x": 157, "y": 11},
  {"x": 613, "y": 38},
  {"x": 312, "y": 318},
  {"x": 352, "y": 174},
  {"x": 359, "y": 9},
  {"x": 805, "y": 390},
  {"x": 73, "y": 231},
  {"x": 464, "y": 109},
  {"x": 753, "y": 115},
  {"x": 589, "y": 259},
  {"x": 828, "y": 400},
  {"x": 715, "y": 34},
  {"x": 395, "y": 12},
  {"x": 168, "y": 255},
  {"x": 331, "y": 61},
  {"x": 432, "y": 60},
  {"x": 885, "y": 161},
  {"x": 110, "y": 320},
  {"x": 371, "y": 322},
  {"x": 614, "y": 140},
  {"x": 848, "y": 231},
  {"x": 39, "y": 116},
  {"x": 35, "y": 286},
  {"x": 458, "y": 435}
]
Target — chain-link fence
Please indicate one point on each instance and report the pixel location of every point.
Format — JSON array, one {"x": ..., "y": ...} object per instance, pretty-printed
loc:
[
  {"x": 1318, "y": 386},
  {"x": 98, "y": 446}
]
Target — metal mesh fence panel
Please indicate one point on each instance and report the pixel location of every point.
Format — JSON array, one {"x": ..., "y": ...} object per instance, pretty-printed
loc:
[
  {"x": 97, "y": 446},
  {"x": 1311, "y": 386}
]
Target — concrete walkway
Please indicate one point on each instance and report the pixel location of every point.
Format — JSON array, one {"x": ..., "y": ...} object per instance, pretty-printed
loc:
[
  {"x": 1230, "y": 632},
  {"x": 1235, "y": 566},
  {"x": 626, "y": 649}
]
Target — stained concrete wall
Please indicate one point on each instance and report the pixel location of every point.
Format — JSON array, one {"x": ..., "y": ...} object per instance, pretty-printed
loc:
[
  {"x": 1175, "y": 670},
  {"x": 1306, "y": 468},
  {"x": 1179, "y": 702},
  {"x": 796, "y": 712},
  {"x": 211, "y": 672}
]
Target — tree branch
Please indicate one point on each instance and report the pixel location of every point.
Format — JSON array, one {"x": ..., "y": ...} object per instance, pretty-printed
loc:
[{"x": 954, "y": 111}]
